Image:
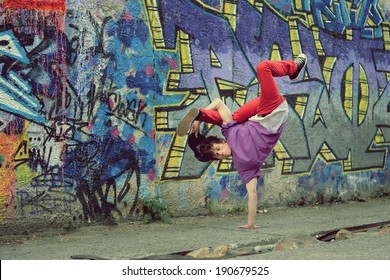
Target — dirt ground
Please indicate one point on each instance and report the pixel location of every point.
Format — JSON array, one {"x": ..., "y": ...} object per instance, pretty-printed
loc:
[{"x": 131, "y": 241}]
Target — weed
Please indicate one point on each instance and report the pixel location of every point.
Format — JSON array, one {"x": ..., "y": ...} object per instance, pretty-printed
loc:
[
  {"x": 69, "y": 225},
  {"x": 154, "y": 209},
  {"x": 357, "y": 196},
  {"x": 236, "y": 209},
  {"x": 380, "y": 193}
]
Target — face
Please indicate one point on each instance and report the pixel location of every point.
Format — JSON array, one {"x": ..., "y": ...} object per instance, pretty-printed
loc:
[{"x": 221, "y": 150}]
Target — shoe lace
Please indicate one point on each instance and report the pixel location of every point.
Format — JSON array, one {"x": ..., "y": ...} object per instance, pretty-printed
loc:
[{"x": 300, "y": 61}]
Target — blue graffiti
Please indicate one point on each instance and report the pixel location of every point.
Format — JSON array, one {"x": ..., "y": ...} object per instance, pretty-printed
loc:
[
  {"x": 130, "y": 30},
  {"x": 15, "y": 92},
  {"x": 337, "y": 16}
]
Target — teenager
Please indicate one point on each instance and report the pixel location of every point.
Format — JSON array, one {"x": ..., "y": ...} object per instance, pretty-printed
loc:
[{"x": 250, "y": 133}]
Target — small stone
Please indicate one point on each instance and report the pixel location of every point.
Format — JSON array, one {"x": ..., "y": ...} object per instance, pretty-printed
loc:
[
  {"x": 200, "y": 253},
  {"x": 294, "y": 242},
  {"x": 233, "y": 246},
  {"x": 263, "y": 248},
  {"x": 207, "y": 252},
  {"x": 221, "y": 251},
  {"x": 343, "y": 234},
  {"x": 241, "y": 251},
  {"x": 385, "y": 229}
]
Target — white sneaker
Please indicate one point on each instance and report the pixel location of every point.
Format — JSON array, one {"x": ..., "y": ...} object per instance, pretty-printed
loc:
[{"x": 301, "y": 61}]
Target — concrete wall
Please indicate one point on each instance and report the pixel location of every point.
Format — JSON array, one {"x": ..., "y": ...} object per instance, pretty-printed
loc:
[{"x": 92, "y": 91}]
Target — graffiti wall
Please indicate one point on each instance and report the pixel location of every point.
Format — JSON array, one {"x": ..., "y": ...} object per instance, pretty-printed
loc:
[{"x": 91, "y": 93}]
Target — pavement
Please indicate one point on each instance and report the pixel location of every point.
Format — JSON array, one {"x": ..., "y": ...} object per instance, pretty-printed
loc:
[{"x": 157, "y": 240}]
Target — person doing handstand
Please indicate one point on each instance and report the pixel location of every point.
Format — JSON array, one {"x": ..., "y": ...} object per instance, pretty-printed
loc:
[{"x": 251, "y": 132}]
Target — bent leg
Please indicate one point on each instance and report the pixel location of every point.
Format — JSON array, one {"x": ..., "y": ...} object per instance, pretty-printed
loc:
[
  {"x": 270, "y": 97},
  {"x": 246, "y": 111},
  {"x": 209, "y": 116},
  {"x": 241, "y": 115},
  {"x": 198, "y": 114}
]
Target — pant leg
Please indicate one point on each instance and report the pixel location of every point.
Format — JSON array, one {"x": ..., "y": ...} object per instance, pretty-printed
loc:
[
  {"x": 209, "y": 116},
  {"x": 270, "y": 97},
  {"x": 246, "y": 111},
  {"x": 241, "y": 115}
]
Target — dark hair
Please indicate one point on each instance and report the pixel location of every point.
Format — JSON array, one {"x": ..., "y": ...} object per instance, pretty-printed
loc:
[{"x": 202, "y": 146}]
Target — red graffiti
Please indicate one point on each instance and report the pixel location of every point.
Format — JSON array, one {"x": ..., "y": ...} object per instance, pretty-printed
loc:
[{"x": 40, "y": 5}]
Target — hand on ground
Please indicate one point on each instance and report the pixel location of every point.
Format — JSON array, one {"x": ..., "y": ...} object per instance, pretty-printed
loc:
[{"x": 248, "y": 226}]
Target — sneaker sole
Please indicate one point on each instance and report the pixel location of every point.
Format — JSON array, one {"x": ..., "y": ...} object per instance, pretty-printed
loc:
[
  {"x": 186, "y": 122},
  {"x": 303, "y": 68}
]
